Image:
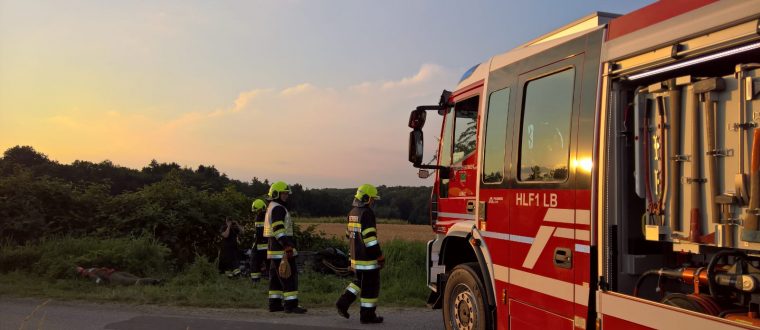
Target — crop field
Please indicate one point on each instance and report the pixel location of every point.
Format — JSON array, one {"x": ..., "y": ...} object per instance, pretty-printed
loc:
[
  {"x": 312, "y": 220},
  {"x": 385, "y": 231}
]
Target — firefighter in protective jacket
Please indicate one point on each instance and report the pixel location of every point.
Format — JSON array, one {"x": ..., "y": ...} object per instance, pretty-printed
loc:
[
  {"x": 259, "y": 248},
  {"x": 366, "y": 257},
  {"x": 278, "y": 227}
]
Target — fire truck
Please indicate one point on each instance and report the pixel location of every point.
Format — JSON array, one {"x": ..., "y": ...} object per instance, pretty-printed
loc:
[{"x": 604, "y": 175}]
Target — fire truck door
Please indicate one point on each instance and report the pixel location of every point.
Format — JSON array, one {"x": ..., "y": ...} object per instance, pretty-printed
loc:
[
  {"x": 457, "y": 190},
  {"x": 493, "y": 206},
  {"x": 542, "y": 198}
]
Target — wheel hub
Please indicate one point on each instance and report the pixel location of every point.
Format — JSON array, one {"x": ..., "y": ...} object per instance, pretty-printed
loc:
[{"x": 464, "y": 309}]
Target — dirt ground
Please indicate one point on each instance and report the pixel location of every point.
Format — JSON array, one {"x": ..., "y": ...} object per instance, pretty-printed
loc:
[{"x": 385, "y": 232}]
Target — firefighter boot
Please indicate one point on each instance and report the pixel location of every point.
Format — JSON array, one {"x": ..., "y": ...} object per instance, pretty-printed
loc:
[
  {"x": 344, "y": 302},
  {"x": 275, "y": 305},
  {"x": 291, "y": 306},
  {"x": 368, "y": 316}
]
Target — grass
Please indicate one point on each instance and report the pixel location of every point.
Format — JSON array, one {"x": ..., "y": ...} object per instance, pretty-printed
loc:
[
  {"x": 56, "y": 257},
  {"x": 343, "y": 220},
  {"x": 402, "y": 283},
  {"x": 216, "y": 293}
]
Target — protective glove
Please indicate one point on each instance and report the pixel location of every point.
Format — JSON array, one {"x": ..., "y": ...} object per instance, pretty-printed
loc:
[
  {"x": 284, "y": 270},
  {"x": 289, "y": 252},
  {"x": 381, "y": 261}
]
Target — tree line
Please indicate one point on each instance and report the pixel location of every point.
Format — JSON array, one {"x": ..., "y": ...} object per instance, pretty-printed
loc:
[{"x": 180, "y": 206}]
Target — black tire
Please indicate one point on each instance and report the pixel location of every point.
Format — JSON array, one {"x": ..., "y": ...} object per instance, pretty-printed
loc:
[{"x": 464, "y": 299}]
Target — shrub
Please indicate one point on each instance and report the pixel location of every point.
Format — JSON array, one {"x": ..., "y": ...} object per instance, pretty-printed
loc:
[
  {"x": 200, "y": 271},
  {"x": 57, "y": 257},
  {"x": 13, "y": 257}
]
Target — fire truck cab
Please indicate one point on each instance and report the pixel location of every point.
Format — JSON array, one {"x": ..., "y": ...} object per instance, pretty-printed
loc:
[{"x": 604, "y": 175}]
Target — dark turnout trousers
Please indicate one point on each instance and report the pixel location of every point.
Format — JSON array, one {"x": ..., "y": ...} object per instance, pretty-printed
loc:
[
  {"x": 283, "y": 289},
  {"x": 258, "y": 257},
  {"x": 366, "y": 286}
]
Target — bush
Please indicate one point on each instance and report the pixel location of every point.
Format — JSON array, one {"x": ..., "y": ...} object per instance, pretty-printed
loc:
[
  {"x": 200, "y": 271},
  {"x": 20, "y": 258},
  {"x": 56, "y": 258}
]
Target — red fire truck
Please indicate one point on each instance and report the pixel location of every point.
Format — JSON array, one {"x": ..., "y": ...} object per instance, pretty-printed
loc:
[{"x": 605, "y": 175}]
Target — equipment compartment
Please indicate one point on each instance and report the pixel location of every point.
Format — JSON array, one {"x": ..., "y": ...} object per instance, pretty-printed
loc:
[{"x": 693, "y": 146}]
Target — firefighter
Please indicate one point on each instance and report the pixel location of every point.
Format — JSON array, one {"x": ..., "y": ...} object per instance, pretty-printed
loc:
[
  {"x": 259, "y": 248},
  {"x": 366, "y": 257},
  {"x": 278, "y": 227},
  {"x": 229, "y": 259}
]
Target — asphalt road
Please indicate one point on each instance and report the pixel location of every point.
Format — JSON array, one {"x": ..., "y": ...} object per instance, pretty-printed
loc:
[{"x": 36, "y": 313}]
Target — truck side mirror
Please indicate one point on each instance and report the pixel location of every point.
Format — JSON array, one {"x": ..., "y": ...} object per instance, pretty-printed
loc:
[
  {"x": 417, "y": 119},
  {"x": 416, "y": 145},
  {"x": 444, "y": 172},
  {"x": 423, "y": 173}
]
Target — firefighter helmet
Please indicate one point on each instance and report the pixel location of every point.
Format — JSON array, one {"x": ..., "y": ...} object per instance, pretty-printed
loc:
[
  {"x": 277, "y": 188},
  {"x": 258, "y": 205},
  {"x": 365, "y": 192}
]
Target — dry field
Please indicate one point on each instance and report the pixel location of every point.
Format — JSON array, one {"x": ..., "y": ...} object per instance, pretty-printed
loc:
[{"x": 385, "y": 231}]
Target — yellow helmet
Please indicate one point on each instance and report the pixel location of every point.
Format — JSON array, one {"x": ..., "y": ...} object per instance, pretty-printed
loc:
[
  {"x": 258, "y": 205},
  {"x": 277, "y": 188},
  {"x": 365, "y": 192}
]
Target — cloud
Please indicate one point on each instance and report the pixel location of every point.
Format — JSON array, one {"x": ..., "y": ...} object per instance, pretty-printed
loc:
[
  {"x": 246, "y": 97},
  {"x": 64, "y": 121},
  {"x": 325, "y": 136},
  {"x": 426, "y": 73},
  {"x": 320, "y": 136},
  {"x": 298, "y": 89}
]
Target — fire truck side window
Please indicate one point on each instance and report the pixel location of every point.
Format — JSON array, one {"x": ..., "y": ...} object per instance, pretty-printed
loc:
[
  {"x": 445, "y": 152},
  {"x": 466, "y": 113},
  {"x": 545, "y": 141},
  {"x": 496, "y": 134}
]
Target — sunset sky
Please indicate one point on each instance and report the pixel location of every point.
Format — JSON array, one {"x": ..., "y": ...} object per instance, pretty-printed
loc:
[{"x": 313, "y": 92}]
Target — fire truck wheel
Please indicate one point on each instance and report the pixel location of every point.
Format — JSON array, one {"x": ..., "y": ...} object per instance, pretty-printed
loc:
[{"x": 464, "y": 304}]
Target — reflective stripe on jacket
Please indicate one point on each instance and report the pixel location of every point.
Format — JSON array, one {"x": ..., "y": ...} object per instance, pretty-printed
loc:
[
  {"x": 278, "y": 227},
  {"x": 260, "y": 242},
  {"x": 363, "y": 244}
]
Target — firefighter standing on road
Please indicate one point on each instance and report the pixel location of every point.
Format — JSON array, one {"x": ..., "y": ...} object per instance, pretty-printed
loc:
[
  {"x": 366, "y": 257},
  {"x": 278, "y": 227},
  {"x": 259, "y": 248}
]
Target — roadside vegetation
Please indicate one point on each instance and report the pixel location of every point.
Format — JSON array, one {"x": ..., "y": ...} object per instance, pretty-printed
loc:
[
  {"x": 46, "y": 269},
  {"x": 163, "y": 221}
]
